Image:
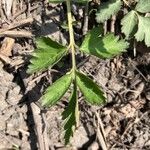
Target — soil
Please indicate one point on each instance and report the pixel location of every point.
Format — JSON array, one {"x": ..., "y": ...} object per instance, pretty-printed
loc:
[{"x": 26, "y": 125}]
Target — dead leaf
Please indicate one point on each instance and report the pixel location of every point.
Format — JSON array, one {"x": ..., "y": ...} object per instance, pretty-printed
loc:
[{"x": 7, "y": 46}]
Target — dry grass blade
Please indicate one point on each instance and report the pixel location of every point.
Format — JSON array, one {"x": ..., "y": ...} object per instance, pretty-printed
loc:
[
  {"x": 101, "y": 132},
  {"x": 43, "y": 145}
]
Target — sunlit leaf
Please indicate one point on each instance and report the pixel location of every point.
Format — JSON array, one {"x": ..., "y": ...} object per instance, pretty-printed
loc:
[
  {"x": 108, "y": 9},
  {"x": 129, "y": 24},
  {"x": 102, "y": 46},
  {"x": 92, "y": 92},
  {"x": 56, "y": 90},
  {"x": 70, "y": 116},
  {"x": 143, "y": 6},
  {"x": 143, "y": 32},
  {"x": 47, "y": 54}
]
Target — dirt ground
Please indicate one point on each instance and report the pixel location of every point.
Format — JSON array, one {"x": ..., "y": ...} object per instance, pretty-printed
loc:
[{"x": 25, "y": 125}]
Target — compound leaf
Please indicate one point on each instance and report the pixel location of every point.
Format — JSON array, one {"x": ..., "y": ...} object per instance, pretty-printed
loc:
[
  {"x": 70, "y": 116},
  {"x": 143, "y": 6},
  {"x": 103, "y": 47},
  {"x": 143, "y": 32},
  {"x": 47, "y": 54},
  {"x": 107, "y": 9},
  {"x": 56, "y": 90},
  {"x": 92, "y": 92},
  {"x": 129, "y": 24}
]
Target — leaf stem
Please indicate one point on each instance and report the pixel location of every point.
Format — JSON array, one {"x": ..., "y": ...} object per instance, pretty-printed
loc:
[
  {"x": 72, "y": 47},
  {"x": 71, "y": 35},
  {"x": 76, "y": 106}
]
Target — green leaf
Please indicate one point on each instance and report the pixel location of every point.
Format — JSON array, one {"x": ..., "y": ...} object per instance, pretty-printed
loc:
[
  {"x": 70, "y": 116},
  {"x": 103, "y": 47},
  {"x": 129, "y": 24},
  {"x": 56, "y": 90},
  {"x": 143, "y": 32},
  {"x": 143, "y": 6},
  {"x": 108, "y": 9},
  {"x": 91, "y": 91},
  {"x": 47, "y": 54}
]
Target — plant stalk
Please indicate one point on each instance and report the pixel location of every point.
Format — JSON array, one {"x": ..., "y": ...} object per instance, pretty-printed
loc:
[
  {"x": 71, "y": 35},
  {"x": 77, "y": 106},
  {"x": 72, "y": 47}
]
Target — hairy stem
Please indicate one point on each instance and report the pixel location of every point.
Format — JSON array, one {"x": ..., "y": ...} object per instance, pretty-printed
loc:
[
  {"x": 72, "y": 47},
  {"x": 77, "y": 106},
  {"x": 72, "y": 43}
]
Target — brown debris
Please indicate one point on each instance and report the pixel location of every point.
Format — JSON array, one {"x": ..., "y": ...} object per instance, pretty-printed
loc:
[{"x": 7, "y": 46}]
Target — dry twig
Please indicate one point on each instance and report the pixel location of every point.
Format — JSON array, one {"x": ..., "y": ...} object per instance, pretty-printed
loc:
[
  {"x": 15, "y": 34},
  {"x": 18, "y": 24}
]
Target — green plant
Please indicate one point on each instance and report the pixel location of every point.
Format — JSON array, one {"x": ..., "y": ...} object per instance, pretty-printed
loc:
[
  {"x": 49, "y": 52},
  {"x": 134, "y": 23}
]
